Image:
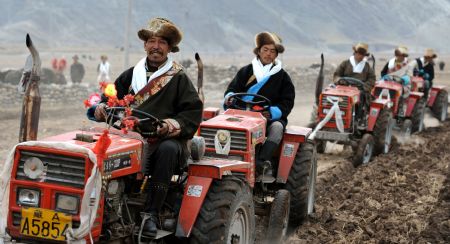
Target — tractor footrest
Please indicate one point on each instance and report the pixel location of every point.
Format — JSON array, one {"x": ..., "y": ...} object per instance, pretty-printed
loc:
[{"x": 333, "y": 136}]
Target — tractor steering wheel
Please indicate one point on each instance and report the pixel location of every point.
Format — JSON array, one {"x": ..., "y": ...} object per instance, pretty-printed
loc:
[
  {"x": 238, "y": 102},
  {"x": 351, "y": 81},
  {"x": 117, "y": 113}
]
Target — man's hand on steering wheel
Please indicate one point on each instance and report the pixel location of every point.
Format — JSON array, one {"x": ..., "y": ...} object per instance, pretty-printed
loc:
[{"x": 238, "y": 101}]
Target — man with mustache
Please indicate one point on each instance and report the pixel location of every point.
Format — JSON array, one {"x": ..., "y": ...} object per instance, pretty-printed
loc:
[
  {"x": 161, "y": 88},
  {"x": 265, "y": 76}
]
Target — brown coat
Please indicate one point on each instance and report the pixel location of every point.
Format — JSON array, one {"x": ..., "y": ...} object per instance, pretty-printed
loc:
[{"x": 367, "y": 76}]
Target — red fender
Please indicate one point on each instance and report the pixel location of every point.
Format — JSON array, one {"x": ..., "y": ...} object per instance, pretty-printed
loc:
[
  {"x": 194, "y": 195},
  {"x": 375, "y": 109},
  {"x": 411, "y": 102},
  {"x": 293, "y": 136},
  {"x": 433, "y": 94}
]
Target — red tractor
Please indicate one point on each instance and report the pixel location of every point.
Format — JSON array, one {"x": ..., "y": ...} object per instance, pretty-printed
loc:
[
  {"x": 370, "y": 134},
  {"x": 437, "y": 99},
  {"x": 60, "y": 189},
  {"x": 409, "y": 112}
]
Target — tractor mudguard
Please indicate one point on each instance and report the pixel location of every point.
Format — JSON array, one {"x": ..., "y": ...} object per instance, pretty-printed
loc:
[
  {"x": 433, "y": 94},
  {"x": 411, "y": 102},
  {"x": 375, "y": 109},
  {"x": 194, "y": 195},
  {"x": 293, "y": 137}
]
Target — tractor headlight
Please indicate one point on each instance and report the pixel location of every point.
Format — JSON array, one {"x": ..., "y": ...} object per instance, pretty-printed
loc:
[
  {"x": 67, "y": 203},
  {"x": 28, "y": 197},
  {"x": 33, "y": 168}
]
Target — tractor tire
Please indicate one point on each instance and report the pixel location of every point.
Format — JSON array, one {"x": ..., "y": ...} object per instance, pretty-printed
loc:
[
  {"x": 321, "y": 146},
  {"x": 278, "y": 218},
  {"x": 364, "y": 151},
  {"x": 227, "y": 214},
  {"x": 418, "y": 116},
  {"x": 382, "y": 132},
  {"x": 301, "y": 183},
  {"x": 440, "y": 106}
]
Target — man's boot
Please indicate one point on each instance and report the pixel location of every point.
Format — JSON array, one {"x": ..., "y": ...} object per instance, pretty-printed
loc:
[
  {"x": 153, "y": 205},
  {"x": 263, "y": 164}
]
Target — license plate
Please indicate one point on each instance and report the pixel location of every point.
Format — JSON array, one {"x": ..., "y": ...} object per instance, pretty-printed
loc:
[{"x": 45, "y": 223}]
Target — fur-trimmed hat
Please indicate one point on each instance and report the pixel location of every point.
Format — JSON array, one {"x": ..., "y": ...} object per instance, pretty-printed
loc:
[
  {"x": 163, "y": 28},
  {"x": 361, "y": 48},
  {"x": 401, "y": 51},
  {"x": 429, "y": 52},
  {"x": 265, "y": 38}
]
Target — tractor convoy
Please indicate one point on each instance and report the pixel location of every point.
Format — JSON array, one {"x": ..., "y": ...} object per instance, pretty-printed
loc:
[{"x": 68, "y": 188}]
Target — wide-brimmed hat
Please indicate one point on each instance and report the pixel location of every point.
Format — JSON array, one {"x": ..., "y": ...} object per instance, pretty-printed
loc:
[
  {"x": 401, "y": 51},
  {"x": 429, "y": 52},
  {"x": 265, "y": 38},
  {"x": 163, "y": 28},
  {"x": 361, "y": 48}
]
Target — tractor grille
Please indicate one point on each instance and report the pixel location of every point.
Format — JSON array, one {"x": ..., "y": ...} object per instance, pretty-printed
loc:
[
  {"x": 61, "y": 169},
  {"x": 391, "y": 93},
  {"x": 342, "y": 105},
  {"x": 238, "y": 138}
]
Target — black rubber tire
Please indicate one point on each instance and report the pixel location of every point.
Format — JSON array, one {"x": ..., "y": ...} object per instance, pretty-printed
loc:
[
  {"x": 225, "y": 198},
  {"x": 298, "y": 181},
  {"x": 382, "y": 132},
  {"x": 440, "y": 106},
  {"x": 321, "y": 146},
  {"x": 278, "y": 217},
  {"x": 360, "y": 152},
  {"x": 417, "y": 116}
]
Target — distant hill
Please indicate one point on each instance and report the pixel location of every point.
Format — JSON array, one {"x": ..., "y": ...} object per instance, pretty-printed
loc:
[{"x": 229, "y": 26}]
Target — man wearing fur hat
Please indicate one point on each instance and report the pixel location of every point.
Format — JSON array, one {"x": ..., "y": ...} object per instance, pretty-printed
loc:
[
  {"x": 161, "y": 88},
  {"x": 357, "y": 67},
  {"x": 265, "y": 76},
  {"x": 424, "y": 67}
]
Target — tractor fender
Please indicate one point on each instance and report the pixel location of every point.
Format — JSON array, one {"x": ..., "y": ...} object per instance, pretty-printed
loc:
[
  {"x": 433, "y": 94},
  {"x": 194, "y": 194},
  {"x": 412, "y": 100},
  {"x": 292, "y": 138},
  {"x": 375, "y": 109}
]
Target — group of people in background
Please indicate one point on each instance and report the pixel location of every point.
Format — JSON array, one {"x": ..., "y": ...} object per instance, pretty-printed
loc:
[{"x": 77, "y": 70}]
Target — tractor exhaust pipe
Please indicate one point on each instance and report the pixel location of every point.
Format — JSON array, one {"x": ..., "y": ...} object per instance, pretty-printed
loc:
[
  {"x": 32, "y": 99},
  {"x": 200, "y": 77},
  {"x": 319, "y": 82}
]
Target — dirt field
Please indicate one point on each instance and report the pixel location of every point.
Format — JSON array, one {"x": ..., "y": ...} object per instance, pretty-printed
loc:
[{"x": 401, "y": 197}]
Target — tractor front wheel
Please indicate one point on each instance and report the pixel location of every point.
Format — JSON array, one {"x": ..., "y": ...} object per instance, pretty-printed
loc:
[
  {"x": 301, "y": 183},
  {"x": 383, "y": 131},
  {"x": 279, "y": 217},
  {"x": 440, "y": 106},
  {"x": 418, "y": 116},
  {"x": 227, "y": 214},
  {"x": 364, "y": 151}
]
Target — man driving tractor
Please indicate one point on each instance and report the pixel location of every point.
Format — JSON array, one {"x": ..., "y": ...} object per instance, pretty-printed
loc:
[
  {"x": 357, "y": 67},
  {"x": 160, "y": 87},
  {"x": 265, "y": 76},
  {"x": 424, "y": 67}
]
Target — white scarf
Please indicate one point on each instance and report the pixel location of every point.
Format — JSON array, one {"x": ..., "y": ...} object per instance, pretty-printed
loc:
[
  {"x": 357, "y": 68},
  {"x": 391, "y": 64},
  {"x": 261, "y": 71},
  {"x": 104, "y": 68},
  {"x": 140, "y": 74}
]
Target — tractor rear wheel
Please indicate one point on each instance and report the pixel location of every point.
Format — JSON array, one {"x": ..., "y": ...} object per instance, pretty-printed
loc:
[
  {"x": 364, "y": 151},
  {"x": 279, "y": 217},
  {"x": 382, "y": 131},
  {"x": 440, "y": 106},
  {"x": 227, "y": 214},
  {"x": 418, "y": 115},
  {"x": 301, "y": 183}
]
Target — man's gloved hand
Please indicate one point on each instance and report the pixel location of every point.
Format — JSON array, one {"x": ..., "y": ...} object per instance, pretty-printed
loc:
[
  {"x": 421, "y": 72},
  {"x": 162, "y": 130},
  {"x": 267, "y": 114},
  {"x": 100, "y": 113}
]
